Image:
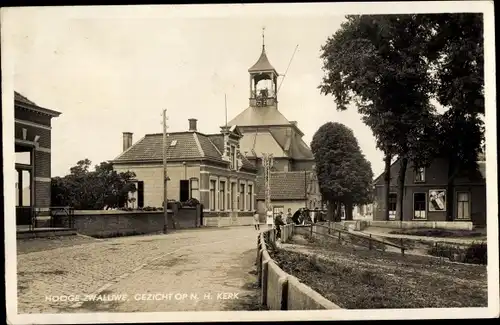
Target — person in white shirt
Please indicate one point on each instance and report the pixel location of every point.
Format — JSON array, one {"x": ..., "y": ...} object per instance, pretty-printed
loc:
[{"x": 269, "y": 218}]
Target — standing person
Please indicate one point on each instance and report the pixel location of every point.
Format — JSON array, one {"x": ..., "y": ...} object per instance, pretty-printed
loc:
[
  {"x": 256, "y": 222},
  {"x": 289, "y": 216},
  {"x": 269, "y": 218},
  {"x": 278, "y": 222}
]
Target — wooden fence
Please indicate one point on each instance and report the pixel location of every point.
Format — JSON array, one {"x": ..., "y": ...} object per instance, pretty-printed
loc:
[{"x": 331, "y": 231}]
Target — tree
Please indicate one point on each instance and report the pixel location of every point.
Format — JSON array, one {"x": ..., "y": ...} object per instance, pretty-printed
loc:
[
  {"x": 376, "y": 62},
  {"x": 84, "y": 189},
  {"x": 344, "y": 175},
  {"x": 456, "y": 51}
]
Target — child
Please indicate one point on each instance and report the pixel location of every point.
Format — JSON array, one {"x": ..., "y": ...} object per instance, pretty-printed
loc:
[
  {"x": 269, "y": 220},
  {"x": 256, "y": 220}
]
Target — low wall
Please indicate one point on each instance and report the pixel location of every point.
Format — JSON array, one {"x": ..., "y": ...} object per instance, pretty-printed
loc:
[
  {"x": 227, "y": 219},
  {"x": 286, "y": 233},
  {"x": 112, "y": 222},
  {"x": 302, "y": 297},
  {"x": 451, "y": 225},
  {"x": 279, "y": 290},
  {"x": 303, "y": 230}
]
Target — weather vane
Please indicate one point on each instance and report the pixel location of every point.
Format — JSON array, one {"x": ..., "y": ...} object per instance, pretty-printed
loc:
[{"x": 263, "y": 30}]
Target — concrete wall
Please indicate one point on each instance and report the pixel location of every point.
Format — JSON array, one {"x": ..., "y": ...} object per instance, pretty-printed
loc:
[
  {"x": 228, "y": 218},
  {"x": 110, "y": 222},
  {"x": 279, "y": 290}
]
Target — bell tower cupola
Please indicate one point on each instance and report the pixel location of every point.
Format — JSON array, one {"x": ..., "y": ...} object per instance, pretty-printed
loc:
[{"x": 263, "y": 81}]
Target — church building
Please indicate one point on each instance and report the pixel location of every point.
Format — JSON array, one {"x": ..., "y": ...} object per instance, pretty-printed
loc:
[{"x": 266, "y": 131}]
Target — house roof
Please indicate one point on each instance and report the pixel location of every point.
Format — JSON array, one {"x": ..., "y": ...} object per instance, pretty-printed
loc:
[
  {"x": 182, "y": 145},
  {"x": 20, "y": 98},
  {"x": 285, "y": 185},
  {"x": 481, "y": 167},
  {"x": 30, "y": 105},
  {"x": 262, "y": 63}
]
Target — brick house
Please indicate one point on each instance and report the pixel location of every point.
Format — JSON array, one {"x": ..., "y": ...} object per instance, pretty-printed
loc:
[
  {"x": 290, "y": 190},
  {"x": 33, "y": 159},
  {"x": 425, "y": 194},
  {"x": 207, "y": 167},
  {"x": 265, "y": 130}
]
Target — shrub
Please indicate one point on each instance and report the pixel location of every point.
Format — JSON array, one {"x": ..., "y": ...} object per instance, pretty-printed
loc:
[
  {"x": 192, "y": 202},
  {"x": 171, "y": 203},
  {"x": 476, "y": 254}
]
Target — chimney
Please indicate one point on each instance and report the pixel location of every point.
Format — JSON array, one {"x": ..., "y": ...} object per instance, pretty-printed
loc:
[
  {"x": 293, "y": 122},
  {"x": 127, "y": 140},
  {"x": 192, "y": 125}
]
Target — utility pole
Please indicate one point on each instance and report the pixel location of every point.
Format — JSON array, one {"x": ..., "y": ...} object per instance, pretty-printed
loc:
[
  {"x": 267, "y": 162},
  {"x": 165, "y": 175}
]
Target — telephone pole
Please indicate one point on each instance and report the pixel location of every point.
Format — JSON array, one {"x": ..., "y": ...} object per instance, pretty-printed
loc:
[
  {"x": 165, "y": 175},
  {"x": 267, "y": 162}
]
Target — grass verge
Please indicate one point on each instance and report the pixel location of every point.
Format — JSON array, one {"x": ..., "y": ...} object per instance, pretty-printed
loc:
[
  {"x": 438, "y": 233},
  {"x": 358, "y": 278}
]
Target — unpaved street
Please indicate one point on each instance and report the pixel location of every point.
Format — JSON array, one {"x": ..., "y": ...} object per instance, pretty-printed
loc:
[{"x": 191, "y": 270}]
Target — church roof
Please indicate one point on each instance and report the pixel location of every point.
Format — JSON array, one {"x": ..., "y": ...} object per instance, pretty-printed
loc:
[
  {"x": 262, "y": 63},
  {"x": 261, "y": 142},
  {"x": 255, "y": 115}
]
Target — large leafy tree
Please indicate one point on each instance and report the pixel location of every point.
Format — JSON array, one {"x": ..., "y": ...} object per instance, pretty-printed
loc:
[
  {"x": 376, "y": 62},
  {"x": 456, "y": 51},
  {"x": 89, "y": 190},
  {"x": 344, "y": 175}
]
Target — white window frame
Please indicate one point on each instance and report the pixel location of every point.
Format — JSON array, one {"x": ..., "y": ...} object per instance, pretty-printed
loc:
[
  {"x": 233, "y": 195},
  {"x": 250, "y": 195},
  {"x": 242, "y": 198},
  {"x": 419, "y": 171},
  {"x": 392, "y": 213},
  {"x": 191, "y": 189},
  {"x": 425, "y": 208},
  {"x": 223, "y": 204},
  {"x": 212, "y": 180},
  {"x": 468, "y": 206}
]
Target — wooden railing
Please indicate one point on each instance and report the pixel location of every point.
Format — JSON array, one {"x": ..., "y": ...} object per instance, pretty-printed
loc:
[{"x": 369, "y": 238}]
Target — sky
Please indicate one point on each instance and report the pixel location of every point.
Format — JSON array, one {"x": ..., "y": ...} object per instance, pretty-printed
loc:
[{"x": 114, "y": 71}]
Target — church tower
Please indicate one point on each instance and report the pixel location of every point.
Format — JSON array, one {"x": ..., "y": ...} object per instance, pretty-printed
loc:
[{"x": 263, "y": 81}]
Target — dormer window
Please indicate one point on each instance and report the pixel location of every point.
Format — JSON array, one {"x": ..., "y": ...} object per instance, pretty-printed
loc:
[{"x": 420, "y": 175}]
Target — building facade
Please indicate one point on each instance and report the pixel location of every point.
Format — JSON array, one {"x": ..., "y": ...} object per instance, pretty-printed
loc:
[
  {"x": 425, "y": 194},
  {"x": 206, "y": 167},
  {"x": 266, "y": 131},
  {"x": 33, "y": 159}
]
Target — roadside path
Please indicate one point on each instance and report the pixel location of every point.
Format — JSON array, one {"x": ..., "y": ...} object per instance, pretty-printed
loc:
[{"x": 143, "y": 273}]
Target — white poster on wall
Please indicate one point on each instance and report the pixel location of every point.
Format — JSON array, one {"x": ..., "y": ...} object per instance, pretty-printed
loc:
[{"x": 437, "y": 200}]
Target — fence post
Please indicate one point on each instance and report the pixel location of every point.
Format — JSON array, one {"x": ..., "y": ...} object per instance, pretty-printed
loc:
[
  {"x": 339, "y": 236},
  {"x": 311, "y": 231},
  {"x": 370, "y": 242}
]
